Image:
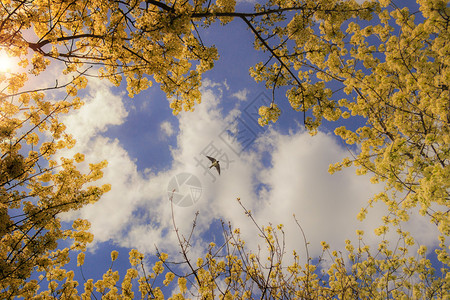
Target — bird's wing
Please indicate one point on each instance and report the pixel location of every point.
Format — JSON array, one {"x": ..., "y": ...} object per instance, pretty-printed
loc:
[
  {"x": 218, "y": 167},
  {"x": 211, "y": 158}
]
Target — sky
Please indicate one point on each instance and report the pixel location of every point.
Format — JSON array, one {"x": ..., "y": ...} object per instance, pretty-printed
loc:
[{"x": 276, "y": 171}]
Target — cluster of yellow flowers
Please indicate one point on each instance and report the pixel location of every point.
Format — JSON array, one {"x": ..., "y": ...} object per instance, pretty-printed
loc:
[{"x": 268, "y": 114}]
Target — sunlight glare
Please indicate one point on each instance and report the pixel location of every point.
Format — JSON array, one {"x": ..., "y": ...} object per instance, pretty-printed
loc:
[{"x": 5, "y": 62}]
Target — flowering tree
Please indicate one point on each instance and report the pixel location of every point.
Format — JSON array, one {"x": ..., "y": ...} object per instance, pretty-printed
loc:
[
  {"x": 230, "y": 271},
  {"x": 35, "y": 187},
  {"x": 393, "y": 68}
]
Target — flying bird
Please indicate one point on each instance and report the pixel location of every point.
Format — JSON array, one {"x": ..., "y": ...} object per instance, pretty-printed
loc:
[{"x": 215, "y": 163}]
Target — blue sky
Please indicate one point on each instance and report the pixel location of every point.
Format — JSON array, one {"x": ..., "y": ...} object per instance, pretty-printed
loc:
[{"x": 281, "y": 172}]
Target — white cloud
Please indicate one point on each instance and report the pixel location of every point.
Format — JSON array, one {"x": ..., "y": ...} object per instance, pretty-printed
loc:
[
  {"x": 227, "y": 86},
  {"x": 102, "y": 108},
  {"x": 298, "y": 183},
  {"x": 241, "y": 95},
  {"x": 136, "y": 213},
  {"x": 166, "y": 128},
  {"x": 219, "y": 86}
]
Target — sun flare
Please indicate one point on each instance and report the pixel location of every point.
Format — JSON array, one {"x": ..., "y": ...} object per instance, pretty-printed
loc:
[{"x": 5, "y": 62}]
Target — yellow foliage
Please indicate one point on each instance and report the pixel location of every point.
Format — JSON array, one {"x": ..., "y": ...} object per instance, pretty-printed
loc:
[
  {"x": 32, "y": 181},
  {"x": 396, "y": 75}
]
